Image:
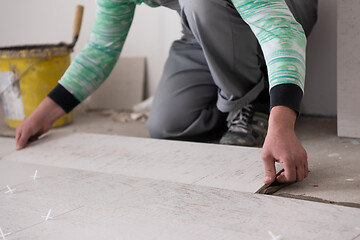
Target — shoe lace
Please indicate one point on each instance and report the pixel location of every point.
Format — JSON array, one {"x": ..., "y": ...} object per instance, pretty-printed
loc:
[{"x": 240, "y": 120}]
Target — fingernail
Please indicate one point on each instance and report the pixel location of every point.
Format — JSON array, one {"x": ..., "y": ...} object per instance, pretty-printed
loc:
[{"x": 267, "y": 179}]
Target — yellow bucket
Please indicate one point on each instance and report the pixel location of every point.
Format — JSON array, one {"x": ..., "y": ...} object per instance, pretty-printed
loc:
[{"x": 27, "y": 75}]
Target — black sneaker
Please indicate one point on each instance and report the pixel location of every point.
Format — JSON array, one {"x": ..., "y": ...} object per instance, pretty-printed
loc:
[{"x": 246, "y": 128}]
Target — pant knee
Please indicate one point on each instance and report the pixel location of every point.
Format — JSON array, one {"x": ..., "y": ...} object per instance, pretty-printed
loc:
[
  {"x": 161, "y": 126},
  {"x": 155, "y": 129}
]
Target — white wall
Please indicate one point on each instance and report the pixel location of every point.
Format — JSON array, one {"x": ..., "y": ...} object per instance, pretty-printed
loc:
[
  {"x": 50, "y": 21},
  {"x": 348, "y": 57},
  {"x": 151, "y": 35},
  {"x": 320, "y": 86},
  {"x": 153, "y": 30}
]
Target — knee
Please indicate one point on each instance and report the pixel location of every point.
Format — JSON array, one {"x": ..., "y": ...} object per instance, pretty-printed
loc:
[
  {"x": 163, "y": 126},
  {"x": 155, "y": 128}
]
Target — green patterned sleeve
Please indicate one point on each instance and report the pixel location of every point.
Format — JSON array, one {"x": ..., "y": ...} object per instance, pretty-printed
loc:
[
  {"x": 281, "y": 38},
  {"x": 96, "y": 60}
]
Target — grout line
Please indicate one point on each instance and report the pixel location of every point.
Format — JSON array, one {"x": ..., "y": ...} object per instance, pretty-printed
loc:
[
  {"x": 35, "y": 224},
  {"x": 272, "y": 188},
  {"x": 356, "y": 237}
]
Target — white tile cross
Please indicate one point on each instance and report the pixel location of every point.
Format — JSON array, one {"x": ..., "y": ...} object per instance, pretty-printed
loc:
[
  {"x": 47, "y": 217},
  {"x": 11, "y": 190},
  {"x": 35, "y": 175},
  {"x": 279, "y": 237},
  {"x": 3, "y": 235}
]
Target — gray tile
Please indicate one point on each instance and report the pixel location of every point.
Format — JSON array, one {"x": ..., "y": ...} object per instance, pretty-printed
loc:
[
  {"x": 333, "y": 162},
  {"x": 94, "y": 205},
  {"x": 7, "y": 145},
  {"x": 229, "y": 167}
]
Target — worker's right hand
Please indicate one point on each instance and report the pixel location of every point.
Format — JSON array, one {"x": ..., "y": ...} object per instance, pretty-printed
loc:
[
  {"x": 281, "y": 145},
  {"x": 38, "y": 123}
]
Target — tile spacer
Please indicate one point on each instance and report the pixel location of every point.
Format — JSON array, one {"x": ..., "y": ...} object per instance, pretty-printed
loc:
[
  {"x": 10, "y": 190},
  {"x": 3, "y": 235},
  {"x": 279, "y": 237},
  {"x": 35, "y": 175},
  {"x": 47, "y": 217}
]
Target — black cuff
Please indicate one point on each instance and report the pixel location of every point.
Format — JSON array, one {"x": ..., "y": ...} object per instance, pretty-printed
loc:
[
  {"x": 63, "y": 98},
  {"x": 288, "y": 95}
]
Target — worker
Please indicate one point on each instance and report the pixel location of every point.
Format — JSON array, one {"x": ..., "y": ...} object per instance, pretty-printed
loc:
[{"x": 231, "y": 52}]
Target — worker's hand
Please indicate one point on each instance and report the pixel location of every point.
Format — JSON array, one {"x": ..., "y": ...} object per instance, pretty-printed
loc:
[
  {"x": 38, "y": 123},
  {"x": 282, "y": 145}
]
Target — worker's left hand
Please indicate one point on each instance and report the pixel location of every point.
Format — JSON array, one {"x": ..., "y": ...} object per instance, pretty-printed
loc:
[{"x": 282, "y": 145}]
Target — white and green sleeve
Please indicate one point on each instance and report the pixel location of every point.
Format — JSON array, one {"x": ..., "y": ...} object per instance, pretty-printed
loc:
[
  {"x": 96, "y": 60},
  {"x": 283, "y": 42}
]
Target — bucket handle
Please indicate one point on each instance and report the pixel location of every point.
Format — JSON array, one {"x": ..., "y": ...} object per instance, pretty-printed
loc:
[{"x": 17, "y": 78}]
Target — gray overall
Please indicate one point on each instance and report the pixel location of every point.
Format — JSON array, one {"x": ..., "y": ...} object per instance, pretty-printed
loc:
[{"x": 218, "y": 63}]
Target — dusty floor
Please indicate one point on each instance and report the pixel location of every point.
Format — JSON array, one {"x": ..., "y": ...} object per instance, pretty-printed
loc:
[
  {"x": 334, "y": 162},
  {"x": 96, "y": 186}
]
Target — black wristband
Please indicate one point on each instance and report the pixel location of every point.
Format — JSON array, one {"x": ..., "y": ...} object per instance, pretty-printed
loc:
[
  {"x": 63, "y": 98},
  {"x": 288, "y": 95}
]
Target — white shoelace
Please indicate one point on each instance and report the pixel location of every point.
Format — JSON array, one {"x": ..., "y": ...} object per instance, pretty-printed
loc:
[{"x": 241, "y": 119}]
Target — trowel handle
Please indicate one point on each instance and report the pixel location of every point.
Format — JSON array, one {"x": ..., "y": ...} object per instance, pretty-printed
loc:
[{"x": 78, "y": 19}]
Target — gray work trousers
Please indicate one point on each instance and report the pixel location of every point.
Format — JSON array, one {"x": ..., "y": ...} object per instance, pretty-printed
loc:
[{"x": 216, "y": 65}]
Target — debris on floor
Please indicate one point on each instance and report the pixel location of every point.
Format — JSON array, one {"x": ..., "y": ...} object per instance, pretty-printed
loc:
[{"x": 122, "y": 116}]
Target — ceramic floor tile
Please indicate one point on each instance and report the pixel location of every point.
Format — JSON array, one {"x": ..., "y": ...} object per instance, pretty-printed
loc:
[
  {"x": 333, "y": 162},
  {"x": 228, "y": 167},
  {"x": 93, "y": 205}
]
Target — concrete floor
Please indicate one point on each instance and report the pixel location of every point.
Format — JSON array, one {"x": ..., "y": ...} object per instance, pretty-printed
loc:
[{"x": 333, "y": 161}]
